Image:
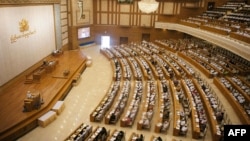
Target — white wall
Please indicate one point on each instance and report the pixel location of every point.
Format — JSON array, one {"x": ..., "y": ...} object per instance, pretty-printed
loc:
[{"x": 15, "y": 57}]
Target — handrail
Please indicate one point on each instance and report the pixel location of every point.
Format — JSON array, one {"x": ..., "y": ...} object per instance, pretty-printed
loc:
[{"x": 242, "y": 49}]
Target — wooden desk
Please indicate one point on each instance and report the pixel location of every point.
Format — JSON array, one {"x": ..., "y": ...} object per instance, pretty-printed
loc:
[
  {"x": 201, "y": 68},
  {"x": 210, "y": 113},
  {"x": 245, "y": 95},
  {"x": 177, "y": 108},
  {"x": 167, "y": 75},
  {"x": 194, "y": 116},
  {"x": 39, "y": 73},
  {"x": 33, "y": 102},
  {"x": 47, "y": 118},
  {"x": 58, "y": 107},
  {"x": 165, "y": 47},
  {"x": 240, "y": 37},
  {"x": 80, "y": 133},
  {"x": 194, "y": 25}
]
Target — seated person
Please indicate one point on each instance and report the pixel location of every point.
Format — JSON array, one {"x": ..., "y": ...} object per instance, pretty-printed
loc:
[
  {"x": 165, "y": 126},
  {"x": 29, "y": 94},
  {"x": 157, "y": 139},
  {"x": 219, "y": 115},
  {"x": 184, "y": 130}
]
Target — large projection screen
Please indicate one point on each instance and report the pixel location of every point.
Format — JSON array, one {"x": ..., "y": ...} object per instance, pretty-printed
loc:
[{"x": 27, "y": 36}]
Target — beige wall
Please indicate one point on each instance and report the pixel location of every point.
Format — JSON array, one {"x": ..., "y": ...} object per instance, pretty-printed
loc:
[{"x": 20, "y": 50}]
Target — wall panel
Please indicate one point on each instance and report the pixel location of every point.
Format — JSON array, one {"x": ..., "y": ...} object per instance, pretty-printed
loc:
[
  {"x": 168, "y": 8},
  {"x": 104, "y": 18},
  {"x": 64, "y": 22},
  {"x": 145, "y": 20},
  {"x": 104, "y": 6},
  {"x": 124, "y": 19},
  {"x": 22, "y": 49},
  {"x": 124, "y": 8}
]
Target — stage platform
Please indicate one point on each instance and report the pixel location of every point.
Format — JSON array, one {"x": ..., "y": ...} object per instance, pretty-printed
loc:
[{"x": 53, "y": 86}]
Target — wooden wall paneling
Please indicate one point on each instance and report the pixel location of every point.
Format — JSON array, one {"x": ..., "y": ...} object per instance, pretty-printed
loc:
[
  {"x": 118, "y": 13},
  {"x": 104, "y": 18},
  {"x": 104, "y": 5},
  {"x": 174, "y": 8},
  {"x": 112, "y": 11},
  {"x": 124, "y": 19},
  {"x": 99, "y": 10},
  {"x": 94, "y": 15},
  {"x": 108, "y": 18},
  {"x": 168, "y": 8},
  {"x": 64, "y": 23},
  {"x": 177, "y": 8},
  {"x": 130, "y": 14},
  {"x": 161, "y": 8},
  {"x": 137, "y": 15},
  {"x": 98, "y": 19},
  {"x": 153, "y": 20}
]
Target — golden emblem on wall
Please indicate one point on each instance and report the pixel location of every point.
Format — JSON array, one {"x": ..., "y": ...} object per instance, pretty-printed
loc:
[
  {"x": 23, "y": 25},
  {"x": 25, "y": 31}
]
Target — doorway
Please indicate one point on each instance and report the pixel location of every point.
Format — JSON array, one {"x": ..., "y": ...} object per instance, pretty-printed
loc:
[
  {"x": 146, "y": 37},
  {"x": 105, "y": 42},
  {"x": 123, "y": 40}
]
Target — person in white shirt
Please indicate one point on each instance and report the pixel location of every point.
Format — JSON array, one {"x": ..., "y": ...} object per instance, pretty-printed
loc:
[{"x": 29, "y": 95}]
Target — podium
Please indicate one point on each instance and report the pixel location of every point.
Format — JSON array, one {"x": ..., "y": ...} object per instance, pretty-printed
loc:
[{"x": 32, "y": 102}]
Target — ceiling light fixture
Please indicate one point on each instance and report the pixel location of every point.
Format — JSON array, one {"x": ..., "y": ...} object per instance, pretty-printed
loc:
[{"x": 148, "y": 6}]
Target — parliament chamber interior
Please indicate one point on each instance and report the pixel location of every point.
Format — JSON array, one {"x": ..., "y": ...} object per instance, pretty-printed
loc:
[{"x": 123, "y": 70}]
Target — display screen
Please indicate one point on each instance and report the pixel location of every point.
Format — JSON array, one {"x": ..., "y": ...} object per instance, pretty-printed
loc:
[{"x": 83, "y": 32}]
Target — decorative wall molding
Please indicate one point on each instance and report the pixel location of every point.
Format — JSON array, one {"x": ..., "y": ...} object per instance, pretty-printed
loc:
[{"x": 29, "y": 1}]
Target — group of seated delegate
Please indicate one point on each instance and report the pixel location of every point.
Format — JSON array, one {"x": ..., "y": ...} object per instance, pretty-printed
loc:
[
  {"x": 228, "y": 18},
  {"x": 120, "y": 104},
  {"x": 198, "y": 105},
  {"x": 81, "y": 133},
  {"x": 148, "y": 71},
  {"x": 136, "y": 137},
  {"x": 127, "y": 72},
  {"x": 163, "y": 63},
  {"x": 204, "y": 64},
  {"x": 149, "y": 105},
  {"x": 117, "y": 70},
  {"x": 241, "y": 84},
  {"x": 117, "y": 136},
  {"x": 134, "y": 105},
  {"x": 107, "y": 53},
  {"x": 236, "y": 94},
  {"x": 100, "y": 134},
  {"x": 164, "y": 117},
  {"x": 136, "y": 68},
  {"x": 184, "y": 112},
  {"x": 241, "y": 65},
  {"x": 189, "y": 69},
  {"x": 136, "y": 57},
  {"x": 157, "y": 138},
  {"x": 106, "y": 103},
  {"x": 217, "y": 109}
]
